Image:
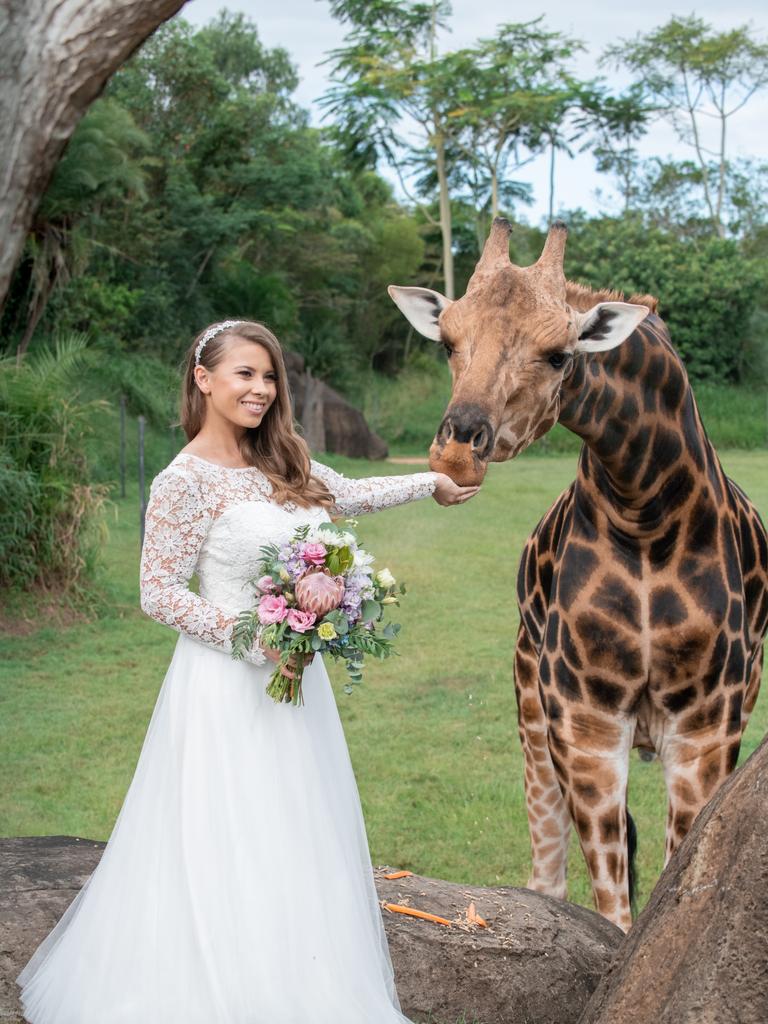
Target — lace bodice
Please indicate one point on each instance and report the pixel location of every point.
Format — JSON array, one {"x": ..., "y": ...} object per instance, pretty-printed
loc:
[{"x": 212, "y": 520}]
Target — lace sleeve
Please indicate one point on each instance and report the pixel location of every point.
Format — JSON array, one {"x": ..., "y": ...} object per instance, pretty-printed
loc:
[
  {"x": 175, "y": 527},
  {"x": 372, "y": 493}
]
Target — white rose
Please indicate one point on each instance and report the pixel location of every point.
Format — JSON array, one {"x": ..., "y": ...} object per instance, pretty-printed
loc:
[{"x": 385, "y": 578}]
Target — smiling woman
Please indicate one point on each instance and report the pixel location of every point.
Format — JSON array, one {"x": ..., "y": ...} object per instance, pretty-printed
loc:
[
  {"x": 239, "y": 859},
  {"x": 235, "y": 377}
]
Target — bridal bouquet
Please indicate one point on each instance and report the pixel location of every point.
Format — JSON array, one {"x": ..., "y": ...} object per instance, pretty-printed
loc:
[{"x": 318, "y": 593}]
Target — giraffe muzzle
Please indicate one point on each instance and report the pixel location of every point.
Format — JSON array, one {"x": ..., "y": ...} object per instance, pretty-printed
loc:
[{"x": 463, "y": 444}]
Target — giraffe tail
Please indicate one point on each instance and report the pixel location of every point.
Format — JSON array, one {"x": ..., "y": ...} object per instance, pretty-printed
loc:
[{"x": 632, "y": 863}]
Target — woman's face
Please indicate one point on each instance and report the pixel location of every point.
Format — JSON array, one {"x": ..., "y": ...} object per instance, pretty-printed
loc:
[{"x": 243, "y": 384}]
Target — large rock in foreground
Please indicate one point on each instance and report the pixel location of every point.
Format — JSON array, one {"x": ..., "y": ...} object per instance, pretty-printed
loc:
[
  {"x": 698, "y": 953},
  {"x": 536, "y": 962},
  {"x": 39, "y": 878}
]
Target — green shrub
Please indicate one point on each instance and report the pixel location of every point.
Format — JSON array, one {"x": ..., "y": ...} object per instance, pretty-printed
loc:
[
  {"x": 406, "y": 410},
  {"x": 19, "y": 492},
  {"x": 45, "y": 473}
]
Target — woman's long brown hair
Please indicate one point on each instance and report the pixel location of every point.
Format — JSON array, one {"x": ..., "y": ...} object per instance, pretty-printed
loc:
[{"x": 274, "y": 446}]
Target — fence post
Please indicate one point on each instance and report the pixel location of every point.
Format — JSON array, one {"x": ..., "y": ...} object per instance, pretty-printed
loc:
[
  {"x": 122, "y": 446},
  {"x": 142, "y": 502}
]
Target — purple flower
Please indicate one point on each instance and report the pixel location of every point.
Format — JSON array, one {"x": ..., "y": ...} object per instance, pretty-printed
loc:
[{"x": 296, "y": 567}]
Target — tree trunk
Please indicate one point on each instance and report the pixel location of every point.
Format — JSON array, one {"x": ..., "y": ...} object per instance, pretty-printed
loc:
[
  {"x": 312, "y": 421},
  {"x": 445, "y": 218},
  {"x": 552, "y": 151},
  {"x": 56, "y": 57},
  {"x": 494, "y": 194}
]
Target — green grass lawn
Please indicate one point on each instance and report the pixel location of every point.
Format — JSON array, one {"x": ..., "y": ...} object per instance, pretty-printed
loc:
[{"x": 432, "y": 733}]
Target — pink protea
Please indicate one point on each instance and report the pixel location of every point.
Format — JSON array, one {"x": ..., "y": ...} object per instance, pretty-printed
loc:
[{"x": 318, "y": 592}]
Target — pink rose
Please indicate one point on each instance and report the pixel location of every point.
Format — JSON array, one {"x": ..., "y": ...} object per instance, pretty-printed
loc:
[
  {"x": 314, "y": 554},
  {"x": 318, "y": 592},
  {"x": 300, "y": 621},
  {"x": 266, "y": 585},
  {"x": 272, "y": 609}
]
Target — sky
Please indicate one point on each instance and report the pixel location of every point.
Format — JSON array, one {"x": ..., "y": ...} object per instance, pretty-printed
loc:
[{"x": 307, "y": 31}]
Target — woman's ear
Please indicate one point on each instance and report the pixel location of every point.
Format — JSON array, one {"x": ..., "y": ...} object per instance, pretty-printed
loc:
[{"x": 201, "y": 379}]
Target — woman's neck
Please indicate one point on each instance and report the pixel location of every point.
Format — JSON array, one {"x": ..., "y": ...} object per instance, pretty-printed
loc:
[{"x": 218, "y": 442}]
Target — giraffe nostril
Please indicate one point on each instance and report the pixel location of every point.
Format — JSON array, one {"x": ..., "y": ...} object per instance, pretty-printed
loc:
[
  {"x": 445, "y": 433},
  {"x": 480, "y": 439}
]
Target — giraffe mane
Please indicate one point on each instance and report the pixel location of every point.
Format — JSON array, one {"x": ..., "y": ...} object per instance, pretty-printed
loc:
[{"x": 582, "y": 298}]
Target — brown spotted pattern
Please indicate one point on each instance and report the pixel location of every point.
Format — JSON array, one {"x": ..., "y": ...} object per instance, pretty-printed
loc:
[{"x": 643, "y": 596}]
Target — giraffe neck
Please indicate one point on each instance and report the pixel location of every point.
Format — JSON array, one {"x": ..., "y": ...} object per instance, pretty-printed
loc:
[{"x": 644, "y": 444}]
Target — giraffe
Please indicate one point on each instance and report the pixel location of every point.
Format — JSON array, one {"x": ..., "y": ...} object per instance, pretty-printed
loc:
[{"x": 643, "y": 592}]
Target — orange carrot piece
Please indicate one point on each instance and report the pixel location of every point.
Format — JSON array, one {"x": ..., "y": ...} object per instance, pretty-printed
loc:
[
  {"x": 474, "y": 918},
  {"x": 399, "y": 874},
  {"x": 397, "y": 909}
]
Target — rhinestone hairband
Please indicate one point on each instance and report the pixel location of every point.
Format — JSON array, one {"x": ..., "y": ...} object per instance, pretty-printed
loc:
[{"x": 211, "y": 333}]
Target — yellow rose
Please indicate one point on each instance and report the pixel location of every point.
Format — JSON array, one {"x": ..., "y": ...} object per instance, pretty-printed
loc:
[{"x": 326, "y": 631}]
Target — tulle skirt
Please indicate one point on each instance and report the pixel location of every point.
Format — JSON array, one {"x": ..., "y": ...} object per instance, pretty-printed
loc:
[{"x": 236, "y": 887}]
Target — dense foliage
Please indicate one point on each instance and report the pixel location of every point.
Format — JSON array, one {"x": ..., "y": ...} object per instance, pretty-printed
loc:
[{"x": 195, "y": 190}]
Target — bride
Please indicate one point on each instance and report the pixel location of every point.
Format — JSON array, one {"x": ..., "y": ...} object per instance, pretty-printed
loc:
[{"x": 236, "y": 886}]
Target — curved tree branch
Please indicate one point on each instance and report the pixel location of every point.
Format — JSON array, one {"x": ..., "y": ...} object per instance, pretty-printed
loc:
[{"x": 56, "y": 58}]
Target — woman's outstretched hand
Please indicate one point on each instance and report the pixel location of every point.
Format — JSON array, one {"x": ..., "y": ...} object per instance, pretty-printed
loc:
[{"x": 448, "y": 493}]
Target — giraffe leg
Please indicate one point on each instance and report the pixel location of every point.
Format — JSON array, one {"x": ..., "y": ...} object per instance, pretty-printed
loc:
[
  {"x": 590, "y": 753},
  {"x": 694, "y": 768},
  {"x": 548, "y": 820}
]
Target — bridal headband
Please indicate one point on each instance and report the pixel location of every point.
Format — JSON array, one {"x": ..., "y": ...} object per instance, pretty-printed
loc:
[{"x": 211, "y": 333}]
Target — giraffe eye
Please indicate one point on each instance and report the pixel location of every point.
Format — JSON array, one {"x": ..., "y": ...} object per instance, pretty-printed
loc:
[
  {"x": 449, "y": 350},
  {"x": 557, "y": 359}
]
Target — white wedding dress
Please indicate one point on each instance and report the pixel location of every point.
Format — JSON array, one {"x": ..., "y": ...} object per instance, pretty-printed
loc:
[{"x": 236, "y": 886}]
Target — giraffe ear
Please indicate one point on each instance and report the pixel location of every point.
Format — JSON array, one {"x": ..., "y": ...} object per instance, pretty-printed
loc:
[
  {"x": 607, "y": 324},
  {"x": 421, "y": 308}
]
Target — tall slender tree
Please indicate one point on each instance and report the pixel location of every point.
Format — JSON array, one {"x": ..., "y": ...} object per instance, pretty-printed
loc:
[
  {"x": 388, "y": 78},
  {"x": 511, "y": 91},
  {"x": 694, "y": 75}
]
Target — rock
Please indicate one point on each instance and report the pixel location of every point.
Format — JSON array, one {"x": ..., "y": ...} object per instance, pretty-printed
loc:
[
  {"x": 697, "y": 953},
  {"x": 39, "y": 878},
  {"x": 329, "y": 422},
  {"x": 537, "y": 962}
]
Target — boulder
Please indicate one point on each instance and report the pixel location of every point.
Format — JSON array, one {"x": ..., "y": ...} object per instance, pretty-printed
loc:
[
  {"x": 39, "y": 878},
  {"x": 536, "y": 962},
  {"x": 329, "y": 422},
  {"x": 697, "y": 953}
]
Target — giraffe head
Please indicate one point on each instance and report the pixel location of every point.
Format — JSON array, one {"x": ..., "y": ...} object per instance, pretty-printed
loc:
[{"x": 511, "y": 341}]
